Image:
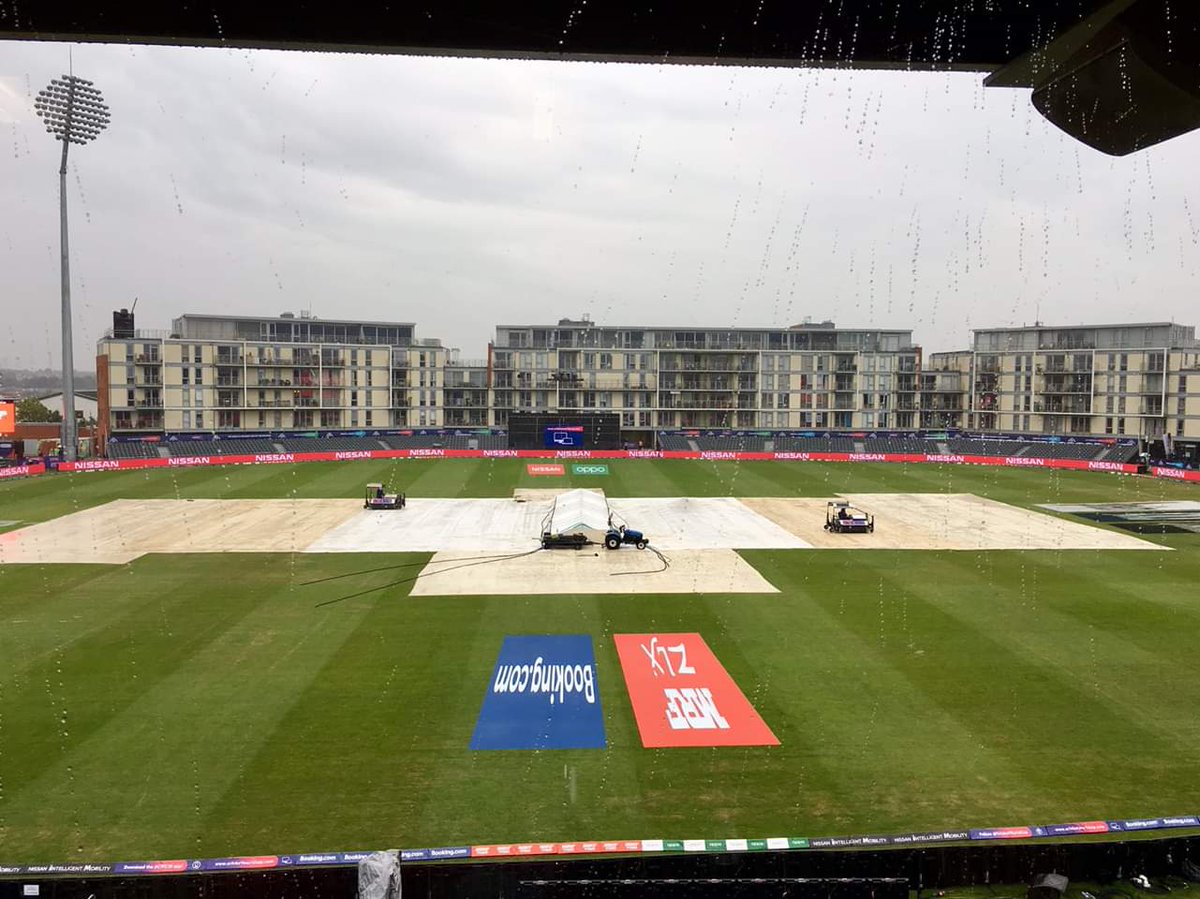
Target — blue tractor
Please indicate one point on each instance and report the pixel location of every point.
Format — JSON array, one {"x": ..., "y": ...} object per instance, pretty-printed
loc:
[{"x": 621, "y": 535}]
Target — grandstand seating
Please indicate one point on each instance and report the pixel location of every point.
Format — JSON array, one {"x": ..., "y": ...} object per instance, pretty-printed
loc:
[
  {"x": 967, "y": 446},
  {"x": 139, "y": 450},
  {"x": 899, "y": 445},
  {"x": 329, "y": 444},
  {"x": 675, "y": 443},
  {"x": 1118, "y": 453},
  {"x": 230, "y": 447}
]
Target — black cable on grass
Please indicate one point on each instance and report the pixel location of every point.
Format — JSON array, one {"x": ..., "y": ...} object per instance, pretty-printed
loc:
[
  {"x": 408, "y": 580},
  {"x": 666, "y": 564},
  {"x": 334, "y": 577}
]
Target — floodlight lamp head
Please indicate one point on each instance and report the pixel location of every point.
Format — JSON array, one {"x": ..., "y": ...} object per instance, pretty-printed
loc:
[{"x": 73, "y": 109}]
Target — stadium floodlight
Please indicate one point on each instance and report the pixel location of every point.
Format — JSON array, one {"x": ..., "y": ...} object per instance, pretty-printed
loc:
[{"x": 74, "y": 112}]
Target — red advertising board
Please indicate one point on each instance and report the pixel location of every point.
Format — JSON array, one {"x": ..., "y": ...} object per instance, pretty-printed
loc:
[
  {"x": 683, "y": 696},
  {"x": 8, "y": 418},
  {"x": 543, "y": 470}
]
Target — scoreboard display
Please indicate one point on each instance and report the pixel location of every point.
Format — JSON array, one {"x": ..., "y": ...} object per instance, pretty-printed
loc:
[
  {"x": 582, "y": 430},
  {"x": 564, "y": 437}
]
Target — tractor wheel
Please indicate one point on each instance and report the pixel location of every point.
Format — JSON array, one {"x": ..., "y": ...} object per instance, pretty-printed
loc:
[
  {"x": 641, "y": 544},
  {"x": 612, "y": 541}
]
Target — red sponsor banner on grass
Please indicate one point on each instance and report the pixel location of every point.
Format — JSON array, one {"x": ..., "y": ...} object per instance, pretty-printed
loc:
[
  {"x": 683, "y": 696},
  {"x": 536, "y": 470}
]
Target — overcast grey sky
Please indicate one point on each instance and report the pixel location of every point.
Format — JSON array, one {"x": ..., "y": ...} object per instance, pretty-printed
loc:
[{"x": 464, "y": 193}]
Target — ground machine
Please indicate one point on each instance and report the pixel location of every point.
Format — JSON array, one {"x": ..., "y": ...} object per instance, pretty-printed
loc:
[
  {"x": 582, "y": 518},
  {"x": 621, "y": 535},
  {"x": 377, "y": 497},
  {"x": 843, "y": 518}
]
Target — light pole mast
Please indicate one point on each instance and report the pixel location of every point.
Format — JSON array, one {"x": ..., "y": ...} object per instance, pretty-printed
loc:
[{"x": 74, "y": 112}]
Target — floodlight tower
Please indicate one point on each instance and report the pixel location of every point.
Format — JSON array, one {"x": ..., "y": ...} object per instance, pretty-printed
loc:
[{"x": 74, "y": 112}]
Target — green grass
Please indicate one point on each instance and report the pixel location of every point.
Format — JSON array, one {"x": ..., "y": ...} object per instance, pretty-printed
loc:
[{"x": 201, "y": 705}]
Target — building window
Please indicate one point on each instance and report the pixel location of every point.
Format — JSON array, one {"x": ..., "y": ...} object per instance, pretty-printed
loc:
[
  {"x": 186, "y": 373},
  {"x": 199, "y": 376},
  {"x": 606, "y": 360},
  {"x": 197, "y": 357},
  {"x": 199, "y": 419},
  {"x": 187, "y": 420},
  {"x": 1120, "y": 426}
]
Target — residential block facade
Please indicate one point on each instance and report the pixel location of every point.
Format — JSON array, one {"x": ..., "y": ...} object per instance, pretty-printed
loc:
[
  {"x": 231, "y": 374},
  {"x": 1140, "y": 380}
]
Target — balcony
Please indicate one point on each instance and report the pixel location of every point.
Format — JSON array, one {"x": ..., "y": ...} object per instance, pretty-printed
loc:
[
  {"x": 229, "y": 382},
  {"x": 230, "y": 359},
  {"x": 305, "y": 403},
  {"x": 152, "y": 402},
  {"x": 147, "y": 359}
]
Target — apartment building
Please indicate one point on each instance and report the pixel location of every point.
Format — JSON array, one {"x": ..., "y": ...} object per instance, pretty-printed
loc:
[
  {"x": 811, "y": 375},
  {"x": 945, "y": 389},
  {"x": 1140, "y": 380},
  {"x": 284, "y": 373},
  {"x": 299, "y": 373}
]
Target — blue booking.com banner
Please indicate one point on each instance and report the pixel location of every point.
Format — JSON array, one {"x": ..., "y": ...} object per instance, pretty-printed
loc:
[{"x": 543, "y": 694}]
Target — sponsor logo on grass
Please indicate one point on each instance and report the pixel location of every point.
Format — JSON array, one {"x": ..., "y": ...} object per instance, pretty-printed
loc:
[
  {"x": 682, "y": 696},
  {"x": 276, "y": 457},
  {"x": 542, "y": 694},
  {"x": 592, "y": 469},
  {"x": 352, "y": 454},
  {"x": 543, "y": 469}
]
